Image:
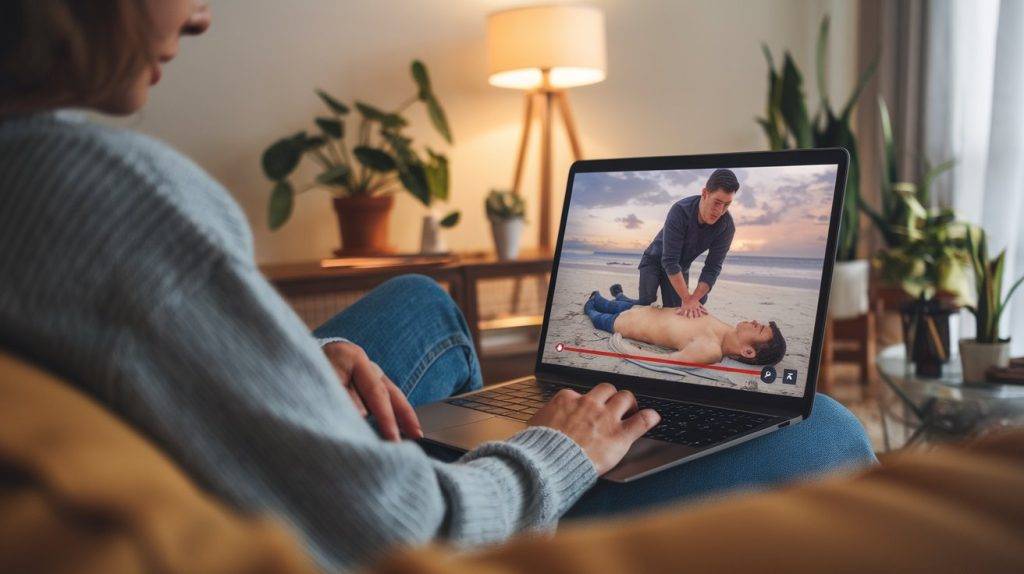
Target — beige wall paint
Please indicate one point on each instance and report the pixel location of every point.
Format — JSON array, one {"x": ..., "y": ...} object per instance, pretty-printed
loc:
[{"x": 683, "y": 77}]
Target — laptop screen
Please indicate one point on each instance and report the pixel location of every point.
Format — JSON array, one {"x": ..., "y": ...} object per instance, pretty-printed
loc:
[{"x": 702, "y": 276}]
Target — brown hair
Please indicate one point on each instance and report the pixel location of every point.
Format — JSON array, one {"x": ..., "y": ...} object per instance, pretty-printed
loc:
[
  {"x": 69, "y": 52},
  {"x": 723, "y": 179},
  {"x": 770, "y": 352}
]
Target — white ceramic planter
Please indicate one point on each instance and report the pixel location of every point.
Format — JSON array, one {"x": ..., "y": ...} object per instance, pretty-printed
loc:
[
  {"x": 849, "y": 297},
  {"x": 976, "y": 358},
  {"x": 432, "y": 240},
  {"x": 506, "y": 236}
]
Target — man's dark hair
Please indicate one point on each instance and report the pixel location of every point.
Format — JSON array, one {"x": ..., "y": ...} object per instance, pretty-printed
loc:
[
  {"x": 770, "y": 352},
  {"x": 722, "y": 179}
]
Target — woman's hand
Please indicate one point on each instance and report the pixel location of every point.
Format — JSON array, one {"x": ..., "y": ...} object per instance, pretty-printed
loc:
[
  {"x": 604, "y": 422},
  {"x": 373, "y": 392}
]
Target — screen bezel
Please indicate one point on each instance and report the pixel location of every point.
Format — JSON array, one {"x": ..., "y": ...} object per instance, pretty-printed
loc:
[{"x": 693, "y": 391}]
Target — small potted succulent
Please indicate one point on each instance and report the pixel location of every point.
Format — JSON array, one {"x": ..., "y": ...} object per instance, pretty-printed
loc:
[
  {"x": 506, "y": 212},
  {"x": 362, "y": 180},
  {"x": 986, "y": 349}
]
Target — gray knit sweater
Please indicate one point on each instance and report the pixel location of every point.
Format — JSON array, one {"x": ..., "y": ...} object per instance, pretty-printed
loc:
[{"x": 127, "y": 269}]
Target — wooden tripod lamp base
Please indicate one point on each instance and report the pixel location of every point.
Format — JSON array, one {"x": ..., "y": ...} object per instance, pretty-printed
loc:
[{"x": 543, "y": 104}]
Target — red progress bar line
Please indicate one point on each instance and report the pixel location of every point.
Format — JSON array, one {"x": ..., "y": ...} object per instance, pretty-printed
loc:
[{"x": 660, "y": 360}]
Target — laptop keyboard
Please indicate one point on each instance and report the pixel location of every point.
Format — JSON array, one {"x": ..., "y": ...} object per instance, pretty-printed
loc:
[{"x": 681, "y": 423}]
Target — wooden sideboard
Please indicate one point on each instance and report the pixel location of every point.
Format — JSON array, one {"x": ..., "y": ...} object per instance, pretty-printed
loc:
[{"x": 317, "y": 292}]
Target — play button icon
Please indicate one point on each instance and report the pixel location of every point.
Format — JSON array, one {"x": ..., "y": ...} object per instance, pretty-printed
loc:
[{"x": 768, "y": 374}]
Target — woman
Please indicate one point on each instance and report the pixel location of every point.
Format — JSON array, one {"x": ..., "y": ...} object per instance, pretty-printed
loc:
[{"x": 127, "y": 269}]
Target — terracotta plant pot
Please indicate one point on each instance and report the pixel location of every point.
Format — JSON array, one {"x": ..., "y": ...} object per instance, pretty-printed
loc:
[{"x": 364, "y": 225}]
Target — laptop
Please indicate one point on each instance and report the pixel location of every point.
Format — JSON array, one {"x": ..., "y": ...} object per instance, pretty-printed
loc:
[{"x": 776, "y": 271}]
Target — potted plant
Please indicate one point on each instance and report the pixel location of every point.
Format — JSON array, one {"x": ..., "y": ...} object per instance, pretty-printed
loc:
[
  {"x": 986, "y": 349},
  {"x": 929, "y": 264},
  {"x": 506, "y": 212},
  {"x": 788, "y": 125},
  {"x": 901, "y": 201},
  {"x": 363, "y": 179}
]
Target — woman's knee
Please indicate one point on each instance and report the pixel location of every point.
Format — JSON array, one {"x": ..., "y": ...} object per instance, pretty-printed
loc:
[
  {"x": 841, "y": 430},
  {"x": 414, "y": 287}
]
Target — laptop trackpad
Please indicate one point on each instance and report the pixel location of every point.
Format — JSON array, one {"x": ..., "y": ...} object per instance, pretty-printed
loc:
[
  {"x": 470, "y": 436},
  {"x": 436, "y": 416}
]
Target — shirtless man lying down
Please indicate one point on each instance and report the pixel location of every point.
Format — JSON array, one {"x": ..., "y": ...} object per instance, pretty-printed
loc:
[{"x": 705, "y": 340}]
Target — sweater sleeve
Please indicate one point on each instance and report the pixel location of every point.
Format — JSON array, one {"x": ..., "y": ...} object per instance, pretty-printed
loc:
[{"x": 228, "y": 378}]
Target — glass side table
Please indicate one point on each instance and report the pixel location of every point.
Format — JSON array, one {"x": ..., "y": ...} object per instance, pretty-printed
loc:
[{"x": 945, "y": 408}]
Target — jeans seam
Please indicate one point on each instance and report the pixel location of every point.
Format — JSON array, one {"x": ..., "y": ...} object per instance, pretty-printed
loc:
[{"x": 431, "y": 357}]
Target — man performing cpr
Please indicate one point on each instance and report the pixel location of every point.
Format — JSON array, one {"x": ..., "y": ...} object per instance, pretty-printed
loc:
[
  {"x": 703, "y": 340},
  {"x": 694, "y": 225}
]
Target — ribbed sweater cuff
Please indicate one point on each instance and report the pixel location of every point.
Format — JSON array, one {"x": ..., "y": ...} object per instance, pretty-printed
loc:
[
  {"x": 551, "y": 470},
  {"x": 329, "y": 340},
  {"x": 569, "y": 470}
]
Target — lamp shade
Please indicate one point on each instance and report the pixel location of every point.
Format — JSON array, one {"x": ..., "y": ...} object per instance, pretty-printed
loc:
[{"x": 566, "y": 41}]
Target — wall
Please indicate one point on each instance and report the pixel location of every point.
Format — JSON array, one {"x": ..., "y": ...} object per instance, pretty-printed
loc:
[{"x": 683, "y": 77}]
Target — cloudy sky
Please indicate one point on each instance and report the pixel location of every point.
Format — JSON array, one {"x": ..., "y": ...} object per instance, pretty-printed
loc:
[{"x": 778, "y": 211}]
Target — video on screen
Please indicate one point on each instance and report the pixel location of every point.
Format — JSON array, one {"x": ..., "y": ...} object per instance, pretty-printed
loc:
[{"x": 706, "y": 276}]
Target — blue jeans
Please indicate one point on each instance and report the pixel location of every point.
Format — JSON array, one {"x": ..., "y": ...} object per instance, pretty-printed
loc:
[
  {"x": 603, "y": 312},
  {"x": 416, "y": 333}
]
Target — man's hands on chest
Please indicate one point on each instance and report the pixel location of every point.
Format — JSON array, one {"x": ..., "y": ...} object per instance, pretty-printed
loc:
[{"x": 373, "y": 392}]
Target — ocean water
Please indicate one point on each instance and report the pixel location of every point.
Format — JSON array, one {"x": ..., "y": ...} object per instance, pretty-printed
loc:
[{"x": 795, "y": 272}]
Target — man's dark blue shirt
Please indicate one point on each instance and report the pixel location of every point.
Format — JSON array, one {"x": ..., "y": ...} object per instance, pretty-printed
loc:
[{"x": 684, "y": 238}]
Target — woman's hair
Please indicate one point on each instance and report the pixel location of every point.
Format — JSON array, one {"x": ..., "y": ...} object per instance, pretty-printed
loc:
[{"x": 69, "y": 52}]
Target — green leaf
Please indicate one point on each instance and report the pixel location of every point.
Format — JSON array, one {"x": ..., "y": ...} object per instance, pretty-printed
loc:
[
  {"x": 865, "y": 77},
  {"x": 331, "y": 127},
  {"x": 335, "y": 175},
  {"x": 793, "y": 105},
  {"x": 336, "y": 106},
  {"x": 768, "y": 56},
  {"x": 930, "y": 175},
  {"x": 889, "y": 173},
  {"x": 419, "y": 74},
  {"x": 450, "y": 220},
  {"x": 438, "y": 118},
  {"x": 822, "y": 53},
  {"x": 280, "y": 159},
  {"x": 313, "y": 142},
  {"x": 282, "y": 199},
  {"x": 375, "y": 159},
  {"x": 437, "y": 175},
  {"x": 414, "y": 178},
  {"x": 386, "y": 119}
]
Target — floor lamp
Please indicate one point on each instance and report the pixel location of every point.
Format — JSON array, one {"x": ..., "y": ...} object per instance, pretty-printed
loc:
[{"x": 546, "y": 50}]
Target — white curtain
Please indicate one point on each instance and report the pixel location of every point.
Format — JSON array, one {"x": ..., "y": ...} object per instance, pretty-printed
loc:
[{"x": 974, "y": 112}]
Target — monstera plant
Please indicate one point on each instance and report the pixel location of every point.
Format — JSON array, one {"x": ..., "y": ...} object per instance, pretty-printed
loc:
[{"x": 361, "y": 161}]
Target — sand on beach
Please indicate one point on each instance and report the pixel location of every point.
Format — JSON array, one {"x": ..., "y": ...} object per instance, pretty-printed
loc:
[{"x": 793, "y": 310}]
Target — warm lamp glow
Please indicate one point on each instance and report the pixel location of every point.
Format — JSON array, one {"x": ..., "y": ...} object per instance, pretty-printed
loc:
[{"x": 566, "y": 41}]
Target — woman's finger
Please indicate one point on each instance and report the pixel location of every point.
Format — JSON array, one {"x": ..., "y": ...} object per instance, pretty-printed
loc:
[
  {"x": 408, "y": 422},
  {"x": 623, "y": 404},
  {"x": 358, "y": 401},
  {"x": 372, "y": 389}
]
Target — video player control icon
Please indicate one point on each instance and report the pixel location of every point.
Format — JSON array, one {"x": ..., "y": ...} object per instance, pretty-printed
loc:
[
  {"x": 789, "y": 377},
  {"x": 559, "y": 347},
  {"x": 768, "y": 374}
]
